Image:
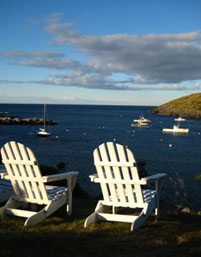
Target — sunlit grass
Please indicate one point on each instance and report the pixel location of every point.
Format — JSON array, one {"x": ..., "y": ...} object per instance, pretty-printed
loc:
[{"x": 60, "y": 235}]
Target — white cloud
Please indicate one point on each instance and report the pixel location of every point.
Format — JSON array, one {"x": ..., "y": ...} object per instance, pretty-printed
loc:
[
  {"x": 94, "y": 81},
  {"x": 163, "y": 60},
  {"x": 33, "y": 54},
  {"x": 196, "y": 86}
]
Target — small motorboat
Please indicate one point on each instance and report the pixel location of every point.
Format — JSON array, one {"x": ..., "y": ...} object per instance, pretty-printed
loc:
[
  {"x": 142, "y": 119},
  {"x": 176, "y": 129},
  {"x": 141, "y": 124}
]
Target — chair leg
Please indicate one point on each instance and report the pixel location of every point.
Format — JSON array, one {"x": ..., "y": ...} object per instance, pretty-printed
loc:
[
  {"x": 37, "y": 217},
  {"x": 69, "y": 198},
  {"x": 93, "y": 218},
  {"x": 44, "y": 213},
  {"x": 11, "y": 203},
  {"x": 90, "y": 219},
  {"x": 157, "y": 208},
  {"x": 146, "y": 211},
  {"x": 139, "y": 221}
]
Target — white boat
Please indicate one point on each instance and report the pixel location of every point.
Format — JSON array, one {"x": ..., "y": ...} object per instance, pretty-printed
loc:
[
  {"x": 180, "y": 119},
  {"x": 140, "y": 124},
  {"x": 42, "y": 131},
  {"x": 142, "y": 119},
  {"x": 176, "y": 129}
]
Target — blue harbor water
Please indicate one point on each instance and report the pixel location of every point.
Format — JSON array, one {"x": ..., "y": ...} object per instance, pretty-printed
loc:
[{"x": 81, "y": 128}]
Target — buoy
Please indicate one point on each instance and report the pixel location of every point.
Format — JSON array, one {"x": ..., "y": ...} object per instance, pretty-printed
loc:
[{"x": 170, "y": 145}]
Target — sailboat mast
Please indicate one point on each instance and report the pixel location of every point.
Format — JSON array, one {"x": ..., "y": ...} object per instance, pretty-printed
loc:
[{"x": 44, "y": 115}]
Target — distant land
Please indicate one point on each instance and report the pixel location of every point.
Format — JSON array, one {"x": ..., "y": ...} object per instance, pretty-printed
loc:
[{"x": 187, "y": 106}]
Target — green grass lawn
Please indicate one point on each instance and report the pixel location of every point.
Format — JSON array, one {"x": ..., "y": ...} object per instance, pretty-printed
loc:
[{"x": 175, "y": 234}]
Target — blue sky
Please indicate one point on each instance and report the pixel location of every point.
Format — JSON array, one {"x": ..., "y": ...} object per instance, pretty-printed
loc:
[{"x": 122, "y": 52}]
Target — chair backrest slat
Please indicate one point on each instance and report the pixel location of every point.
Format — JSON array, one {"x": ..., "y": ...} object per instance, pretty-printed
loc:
[
  {"x": 39, "y": 186},
  {"x": 109, "y": 173},
  {"x": 116, "y": 162},
  {"x": 102, "y": 174},
  {"x": 24, "y": 172},
  {"x": 125, "y": 172}
]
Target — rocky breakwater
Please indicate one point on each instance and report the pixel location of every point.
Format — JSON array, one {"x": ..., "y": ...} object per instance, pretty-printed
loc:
[
  {"x": 10, "y": 120},
  {"x": 187, "y": 106}
]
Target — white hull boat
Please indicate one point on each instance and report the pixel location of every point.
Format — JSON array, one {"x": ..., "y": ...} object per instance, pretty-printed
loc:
[
  {"x": 42, "y": 131},
  {"x": 176, "y": 129},
  {"x": 142, "y": 119},
  {"x": 140, "y": 124},
  {"x": 180, "y": 119}
]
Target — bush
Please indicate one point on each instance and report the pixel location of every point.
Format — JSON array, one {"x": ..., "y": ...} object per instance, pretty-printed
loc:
[
  {"x": 46, "y": 170},
  {"x": 141, "y": 168},
  {"x": 198, "y": 177}
]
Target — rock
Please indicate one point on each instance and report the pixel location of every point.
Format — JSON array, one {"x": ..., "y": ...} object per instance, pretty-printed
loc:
[{"x": 9, "y": 120}]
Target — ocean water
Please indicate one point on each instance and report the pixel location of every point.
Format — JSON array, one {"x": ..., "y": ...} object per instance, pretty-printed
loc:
[{"x": 81, "y": 128}]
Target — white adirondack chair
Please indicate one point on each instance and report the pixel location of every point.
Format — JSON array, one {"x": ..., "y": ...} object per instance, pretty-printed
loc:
[
  {"x": 29, "y": 185},
  {"x": 121, "y": 186}
]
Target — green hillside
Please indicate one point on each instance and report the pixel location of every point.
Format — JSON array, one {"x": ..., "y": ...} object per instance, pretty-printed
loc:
[{"x": 187, "y": 106}]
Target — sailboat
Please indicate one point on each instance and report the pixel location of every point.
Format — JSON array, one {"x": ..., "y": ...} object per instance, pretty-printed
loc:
[{"x": 42, "y": 131}]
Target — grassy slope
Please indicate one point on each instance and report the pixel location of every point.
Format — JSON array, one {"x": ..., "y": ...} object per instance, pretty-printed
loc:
[
  {"x": 187, "y": 106},
  {"x": 174, "y": 235}
]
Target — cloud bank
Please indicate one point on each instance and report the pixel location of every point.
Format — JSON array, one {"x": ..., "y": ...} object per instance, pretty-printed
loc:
[{"x": 162, "y": 60}]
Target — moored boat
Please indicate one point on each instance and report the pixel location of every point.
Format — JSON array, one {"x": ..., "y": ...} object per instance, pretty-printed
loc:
[
  {"x": 142, "y": 119},
  {"x": 141, "y": 124},
  {"x": 180, "y": 119},
  {"x": 176, "y": 129},
  {"x": 42, "y": 131}
]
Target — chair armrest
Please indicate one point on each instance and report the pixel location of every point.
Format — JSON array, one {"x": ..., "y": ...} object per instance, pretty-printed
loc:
[
  {"x": 154, "y": 177},
  {"x": 93, "y": 177},
  {"x": 158, "y": 179},
  {"x": 60, "y": 176},
  {"x": 3, "y": 174}
]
